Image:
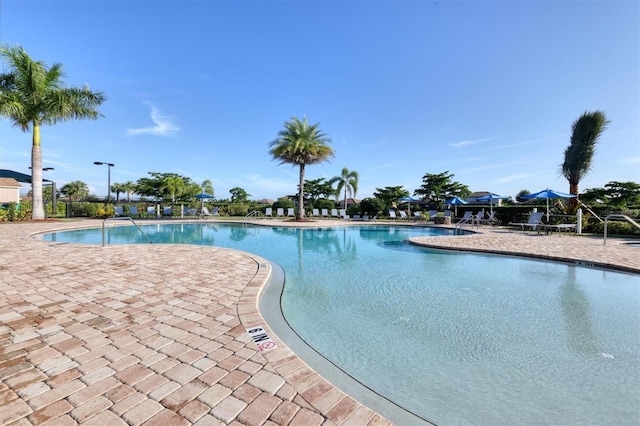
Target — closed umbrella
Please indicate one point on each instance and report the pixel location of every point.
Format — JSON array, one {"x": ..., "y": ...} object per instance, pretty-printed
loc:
[
  {"x": 455, "y": 201},
  {"x": 548, "y": 193}
]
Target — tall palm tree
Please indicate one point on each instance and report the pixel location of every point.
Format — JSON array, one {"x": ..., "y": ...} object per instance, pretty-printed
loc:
[
  {"x": 174, "y": 185},
  {"x": 300, "y": 143},
  {"x": 129, "y": 188},
  {"x": 32, "y": 95},
  {"x": 207, "y": 187},
  {"x": 348, "y": 180},
  {"x": 578, "y": 155},
  {"x": 76, "y": 190},
  {"x": 117, "y": 188}
]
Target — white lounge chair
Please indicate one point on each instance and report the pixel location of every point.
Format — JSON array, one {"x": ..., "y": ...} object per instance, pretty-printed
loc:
[
  {"x": 491, "y": 220},
  {"x": 133, "y": 211},
  {"x": 268, "y": 212},
  {"x": 392, "y": 214},
  {"x": 417, "y": 216},
  {"x": 403, "y": 215},
  {"x": 151, "y": 211},
  {"x": 467, "y": 217},
  {"x": 325, "y": 213},
  {"x": 535, "y": 219},
  {"x": 343, "y": 214},
  {"x": 315, "y": 213},
  {"x": 166, "y": 211},
  {"x": 334, "y": 213},
  {"x": 118, "y": 211},
  {"x": 280, "y": 212},
  {"x": 432, "y": 215},
  {"x": 291, "y": 212},
  {"x": 214, "y": 212}
]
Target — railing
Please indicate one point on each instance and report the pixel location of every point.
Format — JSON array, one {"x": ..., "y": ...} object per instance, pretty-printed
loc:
[
  {"x": 617, "y": 217},
  {"x": 253, "y": 213},
  {"x": 123, "y": 218}
]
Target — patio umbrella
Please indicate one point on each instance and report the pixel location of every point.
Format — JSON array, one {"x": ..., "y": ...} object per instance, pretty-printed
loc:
[
  {"x": 548, "y": 193},
  {"x": 202, "y": 196},
  {"x": 455, "y": 201},
  {"x": 490, "y": 198},
  {"x": 408, "y": 200}
]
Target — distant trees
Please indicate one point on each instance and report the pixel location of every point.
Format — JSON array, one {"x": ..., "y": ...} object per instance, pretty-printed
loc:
[
  {"x": 586, "y": 131},
  {"x": 302, "y": 144},
  {"x": 440, "y": 186},
  {"x": 166, "y": 186},
  {"x": 390, "y": 194},
  {"x": 32, "y": 95},
  {"x": 238, "y": 195},
  {"x": 316, "y": 189},
  {"x": 76, "y": 190},
  {"x": 617, "y": 194}
]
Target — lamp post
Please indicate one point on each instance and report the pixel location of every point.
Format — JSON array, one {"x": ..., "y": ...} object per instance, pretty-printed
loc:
[{"x": 109, "y": 166}]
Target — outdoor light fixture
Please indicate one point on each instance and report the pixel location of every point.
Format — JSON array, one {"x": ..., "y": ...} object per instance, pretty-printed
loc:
[
  {"x": 109, "y": 166},
  {"x": 54, "y": 198}
]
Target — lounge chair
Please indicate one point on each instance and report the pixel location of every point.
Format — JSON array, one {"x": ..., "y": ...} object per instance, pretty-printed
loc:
[
  {"x": 392, "y": 214},
  {"x": 343, "y": 214},
  {"x": 166, "y": 211},
  {"x": 334, "y": 213},
  {"x": 214, "y": 212},
  {"x": 151, "y": 211},
  {"x": 491, "y": 220},
  {"x": 356, "y": 217},
  {"x": 535, "y": 219},
  {"x": 268, "y": 212},
  {"x": 466, "y": 218},
  {"x": 315, "y": 213},
  {"x": 118, "y": 211},
  {"x": 403, "y": 215},
  {"x": 365, "y": 217},
  {"x": 417, "y": 216},
  {"x": 325, "y": 213},
  {"x": 432, "y": 215},
  {"x": 280, "y": 212},
  {"x": 291, "y": 212},
  {"x": 133, "y": 211}
]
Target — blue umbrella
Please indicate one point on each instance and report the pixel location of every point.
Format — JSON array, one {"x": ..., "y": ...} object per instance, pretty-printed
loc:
[
  {"x": 202, "y": 197},
  {"x": 548, "y": 193},
  {"x": 408, "y": 200},
  {"x": 490, "y": 197},
  {"x": 455, "y": 201}
]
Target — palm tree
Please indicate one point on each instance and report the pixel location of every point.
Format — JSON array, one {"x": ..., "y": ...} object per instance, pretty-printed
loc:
[
  {"x": 207, "y": 187},
  {"x": 129, "y": 188},
  {"x": 578, "y": 155},
  {"x": 300, "y": 143},
  {"x": 174, "y": 185},
  {"x": 117, "y": 188},
  {"x": 348, "y": 181},
  {"x": 76, "y": 190},
  {"x": 32, "y": 95}
]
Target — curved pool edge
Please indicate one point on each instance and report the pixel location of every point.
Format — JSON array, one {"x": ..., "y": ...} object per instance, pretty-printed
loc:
[{"x": 297, "y": 356}]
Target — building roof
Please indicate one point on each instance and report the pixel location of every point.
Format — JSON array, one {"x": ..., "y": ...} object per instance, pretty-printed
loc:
[
  {"x": 20, "y": 177},
  {"x": 6, "y": 182}
]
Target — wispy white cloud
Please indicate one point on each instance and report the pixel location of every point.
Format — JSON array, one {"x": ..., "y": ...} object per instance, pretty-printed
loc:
[
  {"x": 630, "y": 160},
  {"x": 512, "y": 178},
  {"x": 464, "y": 143},
  {"x": 529, "y": 142},
  {"x": 163, "y": 125}
]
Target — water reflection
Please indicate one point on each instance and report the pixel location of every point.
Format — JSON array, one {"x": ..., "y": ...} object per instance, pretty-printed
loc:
[{"x": 576, "y": 312}]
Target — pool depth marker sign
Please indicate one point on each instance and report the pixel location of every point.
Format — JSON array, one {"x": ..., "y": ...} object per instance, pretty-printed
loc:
[{"x": 261, "y": 339}]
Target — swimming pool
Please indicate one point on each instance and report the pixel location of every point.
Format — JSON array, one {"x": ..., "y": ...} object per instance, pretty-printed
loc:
[{"x": 456, "y": 338}]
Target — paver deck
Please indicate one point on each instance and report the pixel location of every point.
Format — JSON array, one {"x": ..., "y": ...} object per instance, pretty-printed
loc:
[{"x": 155, "y": 334}]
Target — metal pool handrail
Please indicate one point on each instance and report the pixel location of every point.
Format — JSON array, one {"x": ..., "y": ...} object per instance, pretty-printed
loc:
[
  {"x": 123, "y": 218},
  {"x": 618, "y": 217}
]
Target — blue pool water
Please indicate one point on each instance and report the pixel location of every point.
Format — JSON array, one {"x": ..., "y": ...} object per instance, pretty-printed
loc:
[{"x": 458, "y": 339}]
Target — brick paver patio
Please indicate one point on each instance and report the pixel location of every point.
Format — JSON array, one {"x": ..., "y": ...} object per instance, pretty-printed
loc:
[{"x": 155, "y": 334}]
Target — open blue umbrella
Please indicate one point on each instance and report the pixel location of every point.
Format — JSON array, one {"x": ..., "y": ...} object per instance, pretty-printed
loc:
[
  {"x": 548, "y": 193},
  {"x": 408, "y": 200},
  {"x": 455, "y": 201},
  {"x": 490, "y": 198},
  {"x": 202, "y": 196}
]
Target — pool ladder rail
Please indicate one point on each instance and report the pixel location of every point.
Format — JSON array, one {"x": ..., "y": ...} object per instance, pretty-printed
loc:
[
  {"x": 253, "y": 213},
  {"x": 123, "y": 218}
]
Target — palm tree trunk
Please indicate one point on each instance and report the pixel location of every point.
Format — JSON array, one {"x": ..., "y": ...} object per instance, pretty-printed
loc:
[
  {"x": 345, "y": 198},
  {"x": 300, "y": 194},
  {"x": 37, "y": 210},
  {"x": 573, "y": 189}
]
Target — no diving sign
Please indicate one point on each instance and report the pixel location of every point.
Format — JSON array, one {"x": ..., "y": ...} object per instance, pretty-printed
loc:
[{"x": 261, "y": 339}]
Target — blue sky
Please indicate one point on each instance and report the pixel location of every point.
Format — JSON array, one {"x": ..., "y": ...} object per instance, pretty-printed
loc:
[{"x": 487, "y": 90}]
